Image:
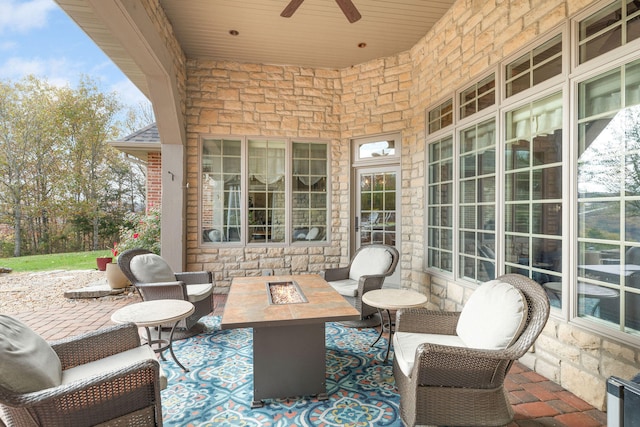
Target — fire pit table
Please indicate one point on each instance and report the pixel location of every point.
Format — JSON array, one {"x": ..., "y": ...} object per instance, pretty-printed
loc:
[{"x": 288, "y": 315}]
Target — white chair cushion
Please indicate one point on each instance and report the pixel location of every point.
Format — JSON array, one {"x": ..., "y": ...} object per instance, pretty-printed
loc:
[
  {"x": 494, "y": 316},
  {"x": 405, "y": 345},
  {"x": 112, "y": 363},
  {"x": 27, "y": 361},
  {"x": 215, "y": 235},
  {"x": 151, "y": 268},
  {"x": 199, "y": 292},
  {"x": 370, "y": 261},
  {"x": 313, "y": 233},
  {"x": 345, "y": 287}
]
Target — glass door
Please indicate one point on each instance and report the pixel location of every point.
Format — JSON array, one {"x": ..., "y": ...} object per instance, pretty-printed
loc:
[{"x": 378, "y": 210}]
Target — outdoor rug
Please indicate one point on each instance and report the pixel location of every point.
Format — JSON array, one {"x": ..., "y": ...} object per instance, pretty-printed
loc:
[{"x": 218, "y": 389}]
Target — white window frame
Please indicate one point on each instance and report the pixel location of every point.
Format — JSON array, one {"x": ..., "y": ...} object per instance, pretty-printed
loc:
[
  {"x": 567, "y": 82},
  {"x": 244, "y": 225}
]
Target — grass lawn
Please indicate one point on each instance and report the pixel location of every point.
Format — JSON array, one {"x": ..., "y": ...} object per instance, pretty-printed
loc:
[{"x": 68, "y": 261}]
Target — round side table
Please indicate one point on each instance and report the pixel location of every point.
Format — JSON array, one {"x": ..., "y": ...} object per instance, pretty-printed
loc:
[
  {"x": 149, "y": 314},
  {"x": 392, "y": 299}
]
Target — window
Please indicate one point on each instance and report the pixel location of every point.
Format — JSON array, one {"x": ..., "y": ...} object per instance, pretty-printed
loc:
[
  {"x": 608, "y": 28},
  {"x": 441, "y": 116},
  {"x": 511, "y": 192},
  {"x": 310, "y": 197},
  {"x": 370, "y": 150},
  {"x": 266, "y": 205},
  {"x": 477, "y": 207},
  {"x": 533, "y": 190},
  {"x": 221, "y": 181},
  {"x": 259, "y": 200},
  {"x": 535, "y": 67},
  {"x": 478, "y": 97},
  {"x": 378, "y": 193},
  {"x": 609, "y": 197},
  {"x": 440, "y": 203}
]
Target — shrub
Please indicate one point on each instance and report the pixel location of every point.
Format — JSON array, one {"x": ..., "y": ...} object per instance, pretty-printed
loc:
[{"x": 140, "y": 231}]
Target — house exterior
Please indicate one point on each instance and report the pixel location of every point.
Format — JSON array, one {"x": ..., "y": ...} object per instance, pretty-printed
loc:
[
  {"x": 144, "y": 146},
  {"x": 501, "y": 141}
]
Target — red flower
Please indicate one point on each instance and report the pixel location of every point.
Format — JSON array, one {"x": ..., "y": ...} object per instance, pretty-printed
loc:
[
  {"x": 136, "y": 235},
  {"x": 114, "y": 250}
]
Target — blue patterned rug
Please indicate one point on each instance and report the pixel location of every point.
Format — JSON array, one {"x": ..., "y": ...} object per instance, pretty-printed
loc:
[{"x": 218, "y": 389}]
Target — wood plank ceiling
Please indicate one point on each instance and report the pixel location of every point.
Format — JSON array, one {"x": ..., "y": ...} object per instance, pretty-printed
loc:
[{"x": 317, "y": 35}]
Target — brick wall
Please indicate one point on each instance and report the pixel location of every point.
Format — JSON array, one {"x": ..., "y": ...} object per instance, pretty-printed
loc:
[{"x": 154, "y": 181}]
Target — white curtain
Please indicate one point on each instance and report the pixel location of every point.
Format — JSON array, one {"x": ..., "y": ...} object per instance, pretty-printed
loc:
[
  {"x": 268, "y": 170},
  {"x": 309, "y": 174}
]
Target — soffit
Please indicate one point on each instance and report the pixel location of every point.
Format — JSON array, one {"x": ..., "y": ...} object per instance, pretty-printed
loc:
[
  {"x": 317, "y": 35},
  {"x": 83, "y": 14}
]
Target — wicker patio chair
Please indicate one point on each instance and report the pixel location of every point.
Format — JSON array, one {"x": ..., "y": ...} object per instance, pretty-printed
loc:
[
  {"x": 153, "y": 278},
  {"x": 451, "y": 384},
  {"x": 104, "y": 378},
  {"x": 366, "y": 272}
]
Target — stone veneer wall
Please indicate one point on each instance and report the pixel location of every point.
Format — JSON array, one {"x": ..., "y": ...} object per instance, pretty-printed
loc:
[
  {"x": 385, "y": 95},
  {"x": 249, "y": 99},
  {"x": 473, "y": 36}
]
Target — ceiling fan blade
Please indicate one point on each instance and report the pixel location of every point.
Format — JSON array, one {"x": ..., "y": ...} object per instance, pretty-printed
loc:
[
  {"x": 291, "y": 8},
  {"x": 349, "y": 10}
]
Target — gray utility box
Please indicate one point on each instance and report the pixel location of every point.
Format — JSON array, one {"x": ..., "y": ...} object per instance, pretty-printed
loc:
[{"x": 623, "y": 402}]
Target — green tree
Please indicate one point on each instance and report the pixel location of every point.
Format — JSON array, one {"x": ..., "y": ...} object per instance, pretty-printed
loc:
[
  {"x": 62, "y": 187},
  {"x": 87, "y": 122},
  {"x": 45, "y": 162},
  {"x": 29, "y": 160},
  {"x": 13, "y": 158}
]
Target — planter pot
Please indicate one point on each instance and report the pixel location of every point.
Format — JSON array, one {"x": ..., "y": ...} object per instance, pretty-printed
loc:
[
  {"x": 115, "y": 277},
  {"x": 102, "y": 262}
]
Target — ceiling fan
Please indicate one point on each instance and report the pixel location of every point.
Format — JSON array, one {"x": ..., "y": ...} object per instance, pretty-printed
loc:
[{"x": 347, "y": 6}]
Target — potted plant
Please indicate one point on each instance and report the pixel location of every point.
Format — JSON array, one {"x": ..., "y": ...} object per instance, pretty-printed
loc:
[
  {"x": 115, "y": 276},
  {"x": 102, "y": 262}
]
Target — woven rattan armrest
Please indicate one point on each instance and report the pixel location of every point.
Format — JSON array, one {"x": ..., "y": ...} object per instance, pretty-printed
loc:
[
  {"x": 194, "y": 277},
  {"x": 425, "y": 321},
  {"x": 339, "y": 273},
  {"x": 448, "y": 366},
  {"x": 95, "y": 345},
  {"x": 369, "y": 283},
  {"x": 143, "y": 373},
  {"x": 163, "y": 290}
]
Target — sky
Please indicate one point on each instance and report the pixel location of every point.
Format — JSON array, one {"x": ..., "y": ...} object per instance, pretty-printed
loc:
[{"x": 38, "y": 38}]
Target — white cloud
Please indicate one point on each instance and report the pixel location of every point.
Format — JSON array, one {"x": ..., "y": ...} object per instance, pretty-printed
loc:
[
  {"x": 65, "y": 72},
  {"x": 57, "y": 72},
  {"x": 7, "y": 45},
  {"x": 128, "y": 93},
  {"x": 18, "y": 67},
  {"x": 22, "y": 16}
]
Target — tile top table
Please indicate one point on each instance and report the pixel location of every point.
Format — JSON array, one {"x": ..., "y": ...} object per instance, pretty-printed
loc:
[
  {"x": 289, "y": 354},
  {"x": 248, "y": 306}
]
